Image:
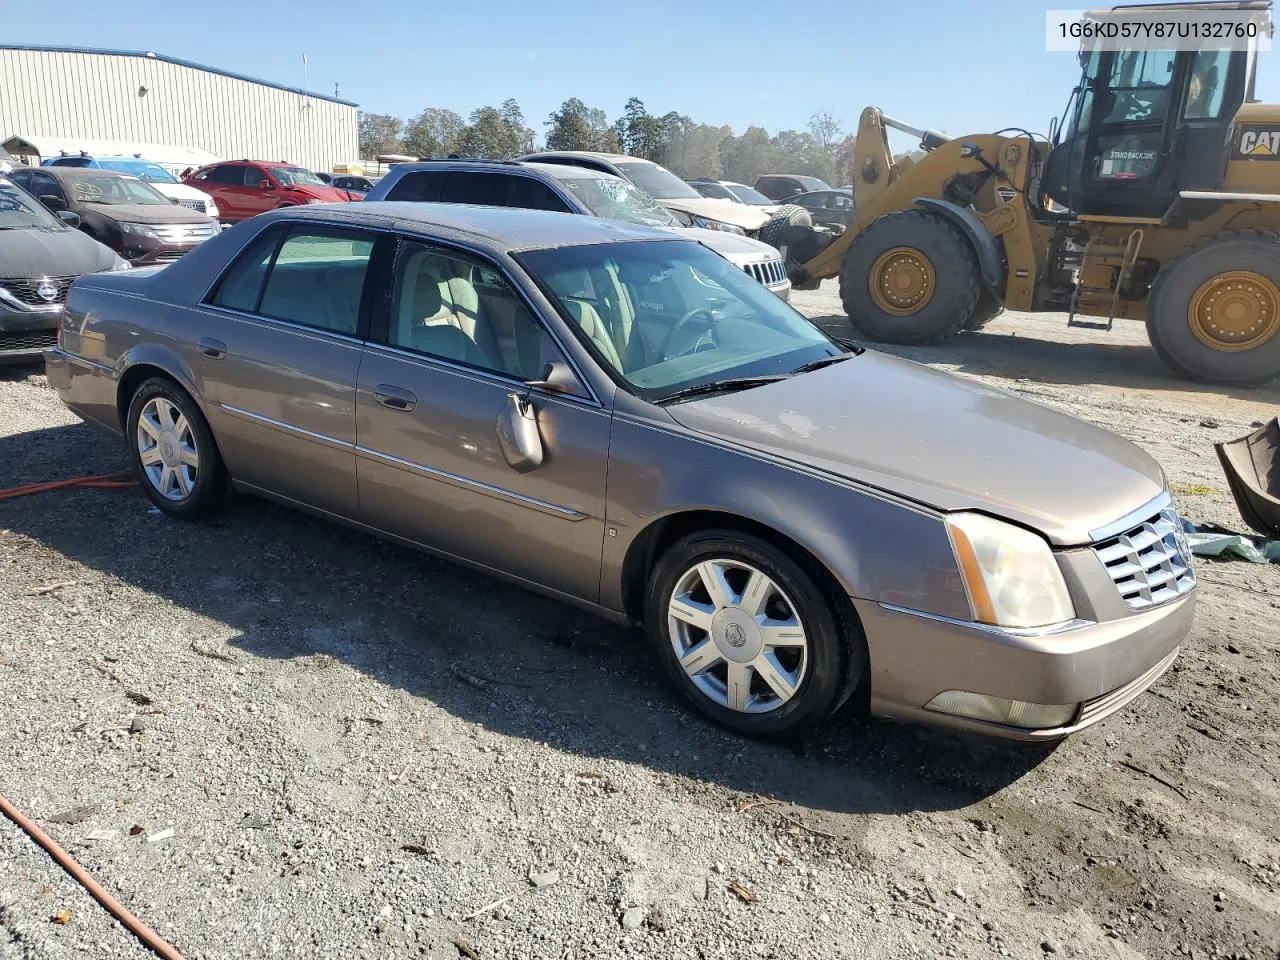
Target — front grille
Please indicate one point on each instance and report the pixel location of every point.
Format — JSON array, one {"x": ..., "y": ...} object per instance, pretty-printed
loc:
[
  {"x": 184, "y": 232},
  {"x": 769, "y": 273},
  {"x": 28, "y": 290},
  {"x": 198, "y": 206},
  {"x": 27, "y": 340},
  {"x": 1150, "y": 564}
]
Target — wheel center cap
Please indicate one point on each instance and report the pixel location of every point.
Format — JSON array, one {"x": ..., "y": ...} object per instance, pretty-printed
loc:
[
  {"x": 170, "y": 450},
  {"x": 736, "y": 635}
]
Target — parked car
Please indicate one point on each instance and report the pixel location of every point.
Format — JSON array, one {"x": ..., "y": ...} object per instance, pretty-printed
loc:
[
  {"x": 352, "y": 184},
  {"x": 832, "y": 208},
  {"x": 145, "y": 170},
  {"x": 324, "y": 177},
  {"x": 615, "y": 415},
  {"x": 778, "y": 186},
  {"x": 568, "y": 189},
  {"x": 129, "y": 216},
  {"x": 246, "y": 188},
  {"x": 738, "y": 192},
  {"x": 40, "y": 255}
]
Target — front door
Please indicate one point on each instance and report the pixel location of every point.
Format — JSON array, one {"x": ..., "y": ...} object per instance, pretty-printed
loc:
[
  {"x": 457, "y": 340},
  {"x": 276, "y": 353}
]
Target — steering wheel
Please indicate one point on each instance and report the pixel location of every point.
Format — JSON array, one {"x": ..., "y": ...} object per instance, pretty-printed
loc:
[{"x": 708, "y": 319}]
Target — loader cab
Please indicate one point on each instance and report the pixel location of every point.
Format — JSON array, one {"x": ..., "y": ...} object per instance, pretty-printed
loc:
[{"x": 1144, "y": 124}]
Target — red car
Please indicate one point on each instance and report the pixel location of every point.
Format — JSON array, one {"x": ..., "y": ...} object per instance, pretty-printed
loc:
[{"x": 245, "y": 188}]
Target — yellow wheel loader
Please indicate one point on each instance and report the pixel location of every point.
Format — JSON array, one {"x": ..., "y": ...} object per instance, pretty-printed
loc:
[{"x": 1158, "y": 199}]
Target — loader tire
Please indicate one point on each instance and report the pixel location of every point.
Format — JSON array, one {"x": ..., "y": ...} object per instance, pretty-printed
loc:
[
  {"x": 989, "y": 307},
  {"x": 910, "y": 277},
  {"x": 788, "y": 215},
  {"x": 1214, "y": 310}
]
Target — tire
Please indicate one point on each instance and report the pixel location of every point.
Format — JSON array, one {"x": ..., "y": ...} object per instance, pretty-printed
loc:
[
  {"x": 1174, "y": 299},
  {"x": 193, "y": 490},
  {"x": 786, "y": 216},
  {"x": 928, "y": 243},
  {"x": 989, "y": 307},
  {"x": 818, "y": 676}
]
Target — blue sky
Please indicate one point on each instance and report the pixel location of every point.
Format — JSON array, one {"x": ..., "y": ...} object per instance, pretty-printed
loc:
[{"x": 961, "y": 67}]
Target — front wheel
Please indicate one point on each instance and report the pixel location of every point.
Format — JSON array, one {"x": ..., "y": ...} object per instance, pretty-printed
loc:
[
  {"x": 173, "y": 451},
  {"x": 748, "y": 636}
]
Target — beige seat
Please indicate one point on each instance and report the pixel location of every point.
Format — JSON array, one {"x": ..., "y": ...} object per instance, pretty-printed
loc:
[
  {"x": 588, "y": 320},
  {"x": 459, "y": 303},
  {"x": 439, "y": 338}
]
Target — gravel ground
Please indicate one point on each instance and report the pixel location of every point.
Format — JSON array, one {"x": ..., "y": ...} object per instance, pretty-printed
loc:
[{"x": 365, "y": 752}]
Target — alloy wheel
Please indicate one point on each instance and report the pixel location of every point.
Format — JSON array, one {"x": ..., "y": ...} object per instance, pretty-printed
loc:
[{"x": 167, "y": 449}]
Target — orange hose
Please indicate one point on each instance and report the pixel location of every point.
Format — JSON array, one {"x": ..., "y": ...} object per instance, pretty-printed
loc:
[
  {"x": 106, "y": 481},
  {"x": 135, "y": 926}
]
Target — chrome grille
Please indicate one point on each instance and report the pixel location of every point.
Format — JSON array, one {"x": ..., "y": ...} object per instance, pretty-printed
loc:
[
  {"x": 199, "y": 206},
  {"x": 26, "y": 290},
  {"x": 1150, "y": 564},
  {"x": 770, "y": 272},
  {"x": 184, "y": 232}
]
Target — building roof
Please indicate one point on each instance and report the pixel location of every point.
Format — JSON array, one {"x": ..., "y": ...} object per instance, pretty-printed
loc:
[
  {"x": 151, "y": 55},
  {"x": 501, "y": 228}
]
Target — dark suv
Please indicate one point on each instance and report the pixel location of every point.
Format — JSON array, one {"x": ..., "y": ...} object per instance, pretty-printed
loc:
[
  {"x": 568, "y": 189},
  {"x": 780, "y": 186}
]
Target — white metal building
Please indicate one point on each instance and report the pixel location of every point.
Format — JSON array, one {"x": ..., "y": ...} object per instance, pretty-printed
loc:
[{"x": 69, "y": 94}]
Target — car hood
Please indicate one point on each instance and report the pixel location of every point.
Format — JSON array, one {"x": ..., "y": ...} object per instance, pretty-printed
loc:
[
  {"x": 31, "y": 254},
  {"x": 934, "y": 438},
  {"x": 327, "y": 194},
  {"x": 732, "y": 246},
  {"x": 726, "y": 211},
  {"x": 147, "y": 213}
]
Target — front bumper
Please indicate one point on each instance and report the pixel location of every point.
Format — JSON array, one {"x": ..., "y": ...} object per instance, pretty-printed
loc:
[
  {"x": 26, "y": 332},
  {"x": 146, "y": 252},
  {"x": 915, "y": 657}
]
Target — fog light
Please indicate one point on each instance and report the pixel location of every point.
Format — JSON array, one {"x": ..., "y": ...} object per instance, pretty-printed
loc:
[{"x": 1014, "y": 713}]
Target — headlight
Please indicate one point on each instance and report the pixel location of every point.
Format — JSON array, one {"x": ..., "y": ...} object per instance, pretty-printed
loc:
[
  {"x": 708, "y": 224},
  {"x": 211, "y": 209},
  {"x": 1009, "y": 573},
  {"x": 121, "y": 264},
  {"x": 314, "y": 200},
  {"x": 137, "y": 230}
]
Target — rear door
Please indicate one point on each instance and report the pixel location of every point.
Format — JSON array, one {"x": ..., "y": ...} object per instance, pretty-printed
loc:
[
  {"x": 458, "y": 340},
  {"x": 225, "y": 183},
  {"x": 276, "y": 351}
]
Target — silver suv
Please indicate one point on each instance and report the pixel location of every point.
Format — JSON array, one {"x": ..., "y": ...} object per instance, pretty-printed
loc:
[{"x": 569, "y": 189}]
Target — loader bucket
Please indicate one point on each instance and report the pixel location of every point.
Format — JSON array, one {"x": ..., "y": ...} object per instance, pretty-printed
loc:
[{"x": 1252, "y": 466}]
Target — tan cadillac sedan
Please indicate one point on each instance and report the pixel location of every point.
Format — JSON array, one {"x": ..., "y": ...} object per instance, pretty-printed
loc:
[{"x": 622, "y": 419}]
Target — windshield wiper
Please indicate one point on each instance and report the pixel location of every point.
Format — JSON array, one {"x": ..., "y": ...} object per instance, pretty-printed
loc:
[
  {"x": 821, "y": 362},
  {"x": 722, "y": 386}
]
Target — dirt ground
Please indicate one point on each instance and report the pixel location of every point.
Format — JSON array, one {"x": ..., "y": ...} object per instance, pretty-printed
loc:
[{"x": 359, "y": 749}]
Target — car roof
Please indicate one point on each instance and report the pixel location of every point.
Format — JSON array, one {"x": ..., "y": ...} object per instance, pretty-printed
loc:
[
  {"x": 611, "y": 157},
  {"x": 557, "y": 171},
  {"x": 83, "y": 173},
  {"x": 500, "y": 228}
]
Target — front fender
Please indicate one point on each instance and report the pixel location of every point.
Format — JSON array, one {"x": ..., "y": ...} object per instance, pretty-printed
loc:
[{"x": 984, "y": 244}]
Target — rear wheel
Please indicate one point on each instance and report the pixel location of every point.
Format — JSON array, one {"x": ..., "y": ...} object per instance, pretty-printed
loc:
[
  {"x": 174, "y": 452},
  {"x": 749, "y": 636},
  {"x": 788, "y": 215},
  {"x": 910, "y": 277},
  {"x": 1214, "y": 311}
]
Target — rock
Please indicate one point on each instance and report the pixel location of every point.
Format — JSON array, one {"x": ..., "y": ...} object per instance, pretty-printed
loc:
[
  {"x": 990, "y": 926},
  {"x": 719, "y": 868},
  {"x": 545, "y": 879},
  {"x": 1219, "y": 897},
  {"x": 137, "y": 725},
  {"x": 1232, "y": 648},
  {"x": 658, "y": 920},
  {"x": 1049, "y": 946},
  {"x": 958, "y": 892},
  {"x": 1209, "y": 422},
  {"x": 632, "y": 919}
]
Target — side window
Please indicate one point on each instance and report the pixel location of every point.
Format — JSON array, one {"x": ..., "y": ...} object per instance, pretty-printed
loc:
[
  {"x": 253, "y": 177},
  {"x": 232, "y": 176},
  {"x": 486, "y": 189},
  {"x": 422, "y": 187},
  {"x": 809, "y": 201},
  {"x": 529, "y": 194},
  {"x": 1208, "y": 84},
  {"x": 449, "y": 306},
  {"x": 43, "y": 185},
  {"x": 241, "y": 286},
  {"x": 317, "y": 279},
  {"x": 1138, "y": 88}
]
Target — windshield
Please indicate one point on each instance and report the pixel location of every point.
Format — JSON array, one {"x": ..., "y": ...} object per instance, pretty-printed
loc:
[
  {"x": 747, "y": 195},
  {"x": 619, "y": 200},
  {"x": 658, "y": 181},
  {"x": 288, "y": 176},
  {"x": 142, "y": 169},
  {"x": 813, "y": 183},
  {"x": 20, "y": 211},
  {"x": 667, "y": 315},
  {"x": 112, "y": 189}
]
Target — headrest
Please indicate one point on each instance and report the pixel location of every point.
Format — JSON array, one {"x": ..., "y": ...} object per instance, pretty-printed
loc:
[{"x": 426, "y": 296}]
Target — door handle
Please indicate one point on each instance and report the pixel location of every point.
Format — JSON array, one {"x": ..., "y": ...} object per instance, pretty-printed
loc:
[
  {"x": 214, "y": 349},
  {"x": 394, "y": 397}
]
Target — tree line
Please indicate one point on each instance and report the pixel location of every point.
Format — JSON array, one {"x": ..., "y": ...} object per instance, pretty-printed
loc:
[{"x": 687, "y": 148}]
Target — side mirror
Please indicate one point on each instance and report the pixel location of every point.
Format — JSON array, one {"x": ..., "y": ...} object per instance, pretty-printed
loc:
[
  {"x": 56, "y": 204},
  {"x": 267, "y": 185},
  {"x": 1053, "y": 130},
  {"x": 70, "y": 218},
  {"x": 557, "y": 378},
  {"x": 518, "y": 434}
]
